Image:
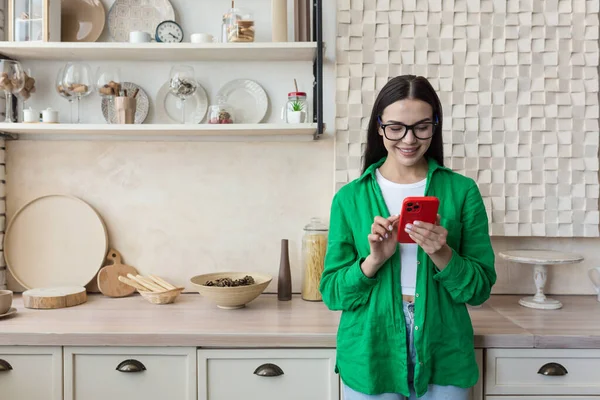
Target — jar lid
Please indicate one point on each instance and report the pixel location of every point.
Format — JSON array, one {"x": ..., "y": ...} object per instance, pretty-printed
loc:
[
  {"x": 297, "y": 94},
  {"x": 316, "y": 224}
]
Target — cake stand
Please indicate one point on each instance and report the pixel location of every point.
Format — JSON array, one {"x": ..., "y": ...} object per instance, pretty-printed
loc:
[{"x": 540, "y": 259}]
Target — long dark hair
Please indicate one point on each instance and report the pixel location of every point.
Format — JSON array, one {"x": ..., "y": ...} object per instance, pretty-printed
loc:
[{"x": 400, "y": 88}]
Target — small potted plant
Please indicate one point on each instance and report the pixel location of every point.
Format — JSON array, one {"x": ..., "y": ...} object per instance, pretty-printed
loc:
[
  {"x": 296, "y": 114},
  {"x": 294, "y": 111}
]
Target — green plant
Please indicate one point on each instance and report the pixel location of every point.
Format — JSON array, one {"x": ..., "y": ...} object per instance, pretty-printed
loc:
[{"x": 297, "y": 106}]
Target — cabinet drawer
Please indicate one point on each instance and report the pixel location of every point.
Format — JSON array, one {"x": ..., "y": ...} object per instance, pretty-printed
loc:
[
  {"x": 101, "y": 373},
  {"x": 20, "y": 366},
  {"x": 286, "y": 374},
  {"x": 516, "y": 371}
]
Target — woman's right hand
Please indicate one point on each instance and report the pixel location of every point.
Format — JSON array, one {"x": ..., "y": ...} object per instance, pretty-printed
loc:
[{"x": 383, "y": 242}]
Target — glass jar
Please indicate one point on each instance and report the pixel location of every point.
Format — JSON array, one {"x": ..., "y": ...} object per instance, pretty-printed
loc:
[
  {"x": 239, "y": 26},
  {"x": 314, "y": 246},
  {"x": 220, "y": 114},
  {"x": 296, "y": 108},
  {"x": 226, "y": 18}
]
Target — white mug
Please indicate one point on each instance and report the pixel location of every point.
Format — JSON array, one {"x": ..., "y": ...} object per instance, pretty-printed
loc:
[
  {"x": 50, "y": 116},
  {"x": 201, "y": 38},
  {"x": 139, "y": 37},
  {"x": 30, "y": 115}
]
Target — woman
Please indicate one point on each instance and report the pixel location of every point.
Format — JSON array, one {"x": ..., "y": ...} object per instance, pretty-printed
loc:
[{"x": 405, "y": 330}]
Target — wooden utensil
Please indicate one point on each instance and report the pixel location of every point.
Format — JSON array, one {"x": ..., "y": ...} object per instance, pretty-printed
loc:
[
  {"x": 108, "y": 277},
  {"x": 54, "y": 297}
]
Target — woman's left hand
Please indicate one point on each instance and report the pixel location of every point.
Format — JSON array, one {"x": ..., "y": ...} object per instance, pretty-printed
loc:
[{"x": 431, "y": 237}]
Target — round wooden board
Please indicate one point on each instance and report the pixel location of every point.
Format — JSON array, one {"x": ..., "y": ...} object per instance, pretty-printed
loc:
[
  {"x": 55, "y": 240},
  {"x": 108, "y": 277},
  {"x": 54, "y": 297}
]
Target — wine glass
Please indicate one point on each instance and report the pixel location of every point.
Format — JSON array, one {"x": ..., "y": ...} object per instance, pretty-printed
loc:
[
  {"x": 78, "y": 80},
  {"x": 12, "y": 80},
  {"x": 28, "y": 87},
  {"x": 61, "y": 88},
  {"x": 182, "y": 84},
  {"x": 108, "y": 83}
]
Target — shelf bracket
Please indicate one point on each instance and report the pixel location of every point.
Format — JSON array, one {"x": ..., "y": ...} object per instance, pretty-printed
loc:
[{"x": 317, "y": 32}]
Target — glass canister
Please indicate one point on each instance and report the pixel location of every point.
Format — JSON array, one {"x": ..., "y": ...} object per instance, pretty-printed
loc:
[
  {"x": 239, "y": 26},
  {"x": 220, "y": 114},
  {"x": 296, "y": 108},
  {"x": 314, "y": 246},
  {"x": 226, "y": 17}
]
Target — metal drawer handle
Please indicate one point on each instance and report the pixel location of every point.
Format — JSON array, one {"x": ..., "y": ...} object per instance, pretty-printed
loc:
[
  {"x": 553, "y": 369},
  {"x": 268, "y": 370},
  {"x": 5, "y": 366},
  {"x": 131, "y": 366}
]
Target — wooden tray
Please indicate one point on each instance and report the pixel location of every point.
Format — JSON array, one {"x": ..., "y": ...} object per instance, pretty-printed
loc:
[{"x": 55, "y": 240}]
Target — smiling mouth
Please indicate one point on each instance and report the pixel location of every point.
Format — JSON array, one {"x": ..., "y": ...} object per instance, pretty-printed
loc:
[{"x": 408, "y": 151}]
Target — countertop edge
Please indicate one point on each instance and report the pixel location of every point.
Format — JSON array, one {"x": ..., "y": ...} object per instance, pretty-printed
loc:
[
  {"x": 242, "y": 340},
  {"x": 497, "y": 329}
]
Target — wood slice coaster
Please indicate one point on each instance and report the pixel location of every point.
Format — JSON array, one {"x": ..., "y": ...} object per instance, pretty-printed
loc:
[{"x": 54, "y": 297}]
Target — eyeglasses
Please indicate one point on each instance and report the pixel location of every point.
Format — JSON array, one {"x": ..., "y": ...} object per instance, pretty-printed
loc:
[{"x": 397, "y": 130}]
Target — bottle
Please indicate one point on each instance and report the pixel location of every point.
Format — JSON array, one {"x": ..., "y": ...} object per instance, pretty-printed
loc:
[
  {"x": 284, "y": 284},
  {"x": 314, "y": 247}
]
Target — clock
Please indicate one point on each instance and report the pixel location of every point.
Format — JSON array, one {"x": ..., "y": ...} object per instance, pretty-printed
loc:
[{"x": 169, "y": 32}]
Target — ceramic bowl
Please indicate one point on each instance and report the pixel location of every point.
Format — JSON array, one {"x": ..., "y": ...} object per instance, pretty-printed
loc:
[
  {"x": 6, "y": 297},
  {"x": 231, "y": 297}
]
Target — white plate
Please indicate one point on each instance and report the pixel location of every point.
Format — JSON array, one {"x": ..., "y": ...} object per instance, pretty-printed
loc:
[
  {"x": 168, "y": 106},
  {"x": 137, "y": 15},
  {"x": 141, "y": 107},
  {"x": 55, "y": 240},
  {"x": 247, "y": 98}
]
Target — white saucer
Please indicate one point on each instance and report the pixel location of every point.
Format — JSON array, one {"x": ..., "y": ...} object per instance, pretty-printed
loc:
[{"x": 10, "y": 311}]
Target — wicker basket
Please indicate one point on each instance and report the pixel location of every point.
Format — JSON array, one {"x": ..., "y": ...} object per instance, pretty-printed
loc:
[{"x": 167, "y": 297}]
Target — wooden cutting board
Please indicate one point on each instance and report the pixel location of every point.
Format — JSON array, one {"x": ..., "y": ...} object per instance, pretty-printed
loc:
[
  {"x": 54, "y": 297},
  {"x": 108, "y": 277},
  {"x": 55, "y": 241}
]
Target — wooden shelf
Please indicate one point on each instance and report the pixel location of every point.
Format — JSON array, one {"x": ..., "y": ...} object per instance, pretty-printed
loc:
[
  {"x": 41, "y": 131},
  {"x": 105, "y": 51}
]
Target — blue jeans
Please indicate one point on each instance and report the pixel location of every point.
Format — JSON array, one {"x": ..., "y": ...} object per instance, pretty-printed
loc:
[{"x": 434, "y": 392}]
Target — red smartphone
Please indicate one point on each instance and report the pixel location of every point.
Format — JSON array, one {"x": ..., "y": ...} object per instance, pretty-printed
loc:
[{"x": 422, "y": 208}]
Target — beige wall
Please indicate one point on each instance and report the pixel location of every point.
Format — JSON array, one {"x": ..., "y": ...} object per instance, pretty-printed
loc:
[{"x": 181, "y": 209}]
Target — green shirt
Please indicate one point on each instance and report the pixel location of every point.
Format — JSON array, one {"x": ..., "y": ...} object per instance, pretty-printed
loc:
[{"x": 372, "y": 354}]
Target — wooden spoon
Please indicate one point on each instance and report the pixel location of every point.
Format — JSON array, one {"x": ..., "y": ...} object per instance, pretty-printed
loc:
[{"x": 108, "y": 277}]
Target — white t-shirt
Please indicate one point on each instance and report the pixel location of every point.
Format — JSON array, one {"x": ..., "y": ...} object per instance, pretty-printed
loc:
[{"x": 394, "y": 194}]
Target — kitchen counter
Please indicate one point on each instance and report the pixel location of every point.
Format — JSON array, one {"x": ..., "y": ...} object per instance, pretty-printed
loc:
[{"x": 266, "y": 322}]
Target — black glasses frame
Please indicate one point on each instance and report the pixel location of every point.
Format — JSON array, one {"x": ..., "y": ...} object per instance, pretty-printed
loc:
[{"x": 408, "y": 128}]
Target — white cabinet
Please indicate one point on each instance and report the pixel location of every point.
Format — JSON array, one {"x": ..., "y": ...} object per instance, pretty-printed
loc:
[
  {"x": 149, "y": 373},
  {"x": 542, "y": 372},
  {"x": 188, "y": 373},
  {"x": 290, "y": 374},
  {"x": 31, "y": 373},
  {"x": 477, "y": 390}
]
